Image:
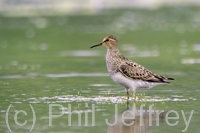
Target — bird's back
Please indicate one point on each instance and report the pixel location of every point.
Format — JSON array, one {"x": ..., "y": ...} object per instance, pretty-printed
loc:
[{"x": 117, "y": 63}]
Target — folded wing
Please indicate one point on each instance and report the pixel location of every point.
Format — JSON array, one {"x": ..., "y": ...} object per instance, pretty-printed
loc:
[{"x": 136, "y": 71}]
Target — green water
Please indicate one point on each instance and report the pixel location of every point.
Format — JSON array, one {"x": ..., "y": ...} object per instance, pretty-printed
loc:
[{"x": 46, "y": 67}]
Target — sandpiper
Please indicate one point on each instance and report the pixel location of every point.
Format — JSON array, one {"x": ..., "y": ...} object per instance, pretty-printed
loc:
[{"x": 127, "y": 73}]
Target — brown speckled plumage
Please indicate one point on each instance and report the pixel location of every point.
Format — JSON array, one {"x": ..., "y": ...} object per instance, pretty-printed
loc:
[{"x": 126, "y": 72}]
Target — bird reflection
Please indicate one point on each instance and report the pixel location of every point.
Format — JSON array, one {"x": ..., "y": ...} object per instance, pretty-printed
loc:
[{"x": 132, "y": 120}]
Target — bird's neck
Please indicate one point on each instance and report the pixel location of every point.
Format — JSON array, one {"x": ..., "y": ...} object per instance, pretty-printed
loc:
[
  {"x": 112, "y": 52},
  {"x": 113, "y": 60}
]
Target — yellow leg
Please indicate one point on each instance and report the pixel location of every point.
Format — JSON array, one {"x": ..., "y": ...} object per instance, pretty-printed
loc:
[
  {"x": 134, "y": 95},
  {"x": 127, "y": 93}
]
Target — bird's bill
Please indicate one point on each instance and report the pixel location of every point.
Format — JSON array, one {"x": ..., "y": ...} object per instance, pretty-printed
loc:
[{"x": 96, "y": 45}]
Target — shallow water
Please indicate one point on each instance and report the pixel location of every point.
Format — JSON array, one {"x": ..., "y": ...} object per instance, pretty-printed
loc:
[{"x": 48, "y": 72}]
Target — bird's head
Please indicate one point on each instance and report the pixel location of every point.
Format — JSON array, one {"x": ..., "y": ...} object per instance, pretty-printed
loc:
[{"x": 109, "y": 42}]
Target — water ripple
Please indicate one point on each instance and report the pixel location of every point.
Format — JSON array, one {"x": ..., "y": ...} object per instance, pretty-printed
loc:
[
  {"x": 80, "y": 53},
  {"x": 190, "y": 61},
  {"x": 66, "y": 75},
  {"x": 103, "y": 99}
]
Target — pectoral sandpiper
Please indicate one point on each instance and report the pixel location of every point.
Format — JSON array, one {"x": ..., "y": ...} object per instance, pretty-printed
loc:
[{"x": 126, "y": 72}]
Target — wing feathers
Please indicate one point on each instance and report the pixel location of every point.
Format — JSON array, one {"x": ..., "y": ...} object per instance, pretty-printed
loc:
[{"x": 136, "y": 71}]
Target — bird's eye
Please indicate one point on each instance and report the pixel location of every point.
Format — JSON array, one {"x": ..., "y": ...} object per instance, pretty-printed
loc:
[{"x": 106, "y": 40}]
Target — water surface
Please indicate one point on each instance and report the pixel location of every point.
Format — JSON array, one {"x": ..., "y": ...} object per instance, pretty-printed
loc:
[{"x": 47, "y": 71}]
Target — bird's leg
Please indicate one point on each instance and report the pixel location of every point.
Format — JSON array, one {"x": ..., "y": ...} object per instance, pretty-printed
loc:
[
  {"x": 127, "y": 93},
  {"x": 127, "y": 101},
  {"x": 134, "y": 95}
]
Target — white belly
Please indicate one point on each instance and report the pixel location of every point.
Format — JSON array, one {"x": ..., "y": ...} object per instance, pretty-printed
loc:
[{"x": 131, "y": 83}]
